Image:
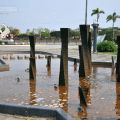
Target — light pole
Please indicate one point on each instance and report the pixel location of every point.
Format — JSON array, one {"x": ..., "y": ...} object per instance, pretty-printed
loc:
[{"x": 86, "y": 7}]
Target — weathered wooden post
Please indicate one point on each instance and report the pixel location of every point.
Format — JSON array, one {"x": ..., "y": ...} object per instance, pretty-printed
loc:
[
  {"x": 81, "y": 65},
  {"x": 48, "y": 61},
  {"x": 63, "y": 75},
  {"x": 32, "y": 67},
  {"x": 118, "y": 60},
  {"x": 113, "y": 67},
  {"x": 89, "y": 53},
  {"x": 84, "y": 30},
  {"x": 95, "y": 33}
]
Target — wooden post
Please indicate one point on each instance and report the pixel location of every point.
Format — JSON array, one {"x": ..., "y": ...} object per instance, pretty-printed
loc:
[
  {"x": 75, "y": 61},
  {"x": 84, "y": 30},
  {"x": 81, "y": 65},
  {"x": 75, "y": 64},
  {"x": 32, "y": 67},
  {"x": 113, "y": 66},
  {"x": 89, "y": 53},
  {"x": 63, "y": 75},
  {"x": 48, "y": 61},
  {"x": 118, "y": 60}
]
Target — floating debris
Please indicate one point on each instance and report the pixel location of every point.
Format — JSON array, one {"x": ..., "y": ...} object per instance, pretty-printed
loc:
[
  {"x": 18, "y": 79},
  {"x": 64, "y": 100},
  {"x": 27, "y": 70},
  {"x": 102, "y": 98},
  {"x": 39, "y": 99},
  {"x": 55, "y": 87}
]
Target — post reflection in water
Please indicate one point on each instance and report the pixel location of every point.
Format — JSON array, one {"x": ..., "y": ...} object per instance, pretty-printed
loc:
[
  {"x": 84, "y": 94},
  {"x": 113, "y": 73},
  {"x": 113, "y": 76},
  {"x": 32, "y": 80},
  {"x": 75, "y": 67},
  {"x": 94, "y": 71},
  {"x": 33, "y": 96},
  {"x": 48, "y": 70},
  {"x": 117, "y": 108},
  {"x": 63, "y": 96}
]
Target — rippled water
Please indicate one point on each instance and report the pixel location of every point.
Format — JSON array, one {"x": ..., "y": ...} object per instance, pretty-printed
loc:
[{"x": 102, "y": 92}]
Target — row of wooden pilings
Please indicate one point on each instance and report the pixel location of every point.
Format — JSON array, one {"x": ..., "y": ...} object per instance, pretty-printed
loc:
[{"x": 84, "y": 55}]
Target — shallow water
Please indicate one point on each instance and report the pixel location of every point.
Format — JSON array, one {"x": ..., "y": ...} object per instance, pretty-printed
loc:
[{"x": 103, "y": 93}]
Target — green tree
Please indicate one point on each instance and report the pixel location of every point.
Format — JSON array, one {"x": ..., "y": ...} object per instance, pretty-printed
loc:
[
  {"x": 45, "y": 33},
  {"x": 113, "y": 17},
  {"x": 55, "y": 34},
  {"x": 75, "y": 32},
  {"x": 97, "y": 12}
]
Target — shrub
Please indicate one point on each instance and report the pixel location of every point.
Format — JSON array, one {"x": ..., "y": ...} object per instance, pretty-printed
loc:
[{"x": 106, "y": 46}]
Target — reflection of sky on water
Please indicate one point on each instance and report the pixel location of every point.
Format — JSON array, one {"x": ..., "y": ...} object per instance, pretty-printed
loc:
[{"x": 101, "y": 97}]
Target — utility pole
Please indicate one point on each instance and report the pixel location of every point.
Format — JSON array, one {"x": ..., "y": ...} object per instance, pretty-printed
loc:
[{"x": 86, "y": 9}]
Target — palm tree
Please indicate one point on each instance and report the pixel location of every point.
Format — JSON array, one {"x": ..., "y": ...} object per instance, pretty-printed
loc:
[
  {"x": 113, "y": 17},
  {"x": 97, "y": 12}
]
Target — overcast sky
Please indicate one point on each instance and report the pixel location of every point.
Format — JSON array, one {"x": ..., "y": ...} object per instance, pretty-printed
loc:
[{"x": 54, "y": 14}]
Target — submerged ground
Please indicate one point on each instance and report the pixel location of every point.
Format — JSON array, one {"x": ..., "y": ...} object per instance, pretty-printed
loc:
[{"x": 103, "y": 99}]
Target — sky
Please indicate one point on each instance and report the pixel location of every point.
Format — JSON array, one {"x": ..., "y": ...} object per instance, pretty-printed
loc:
[{"x": 54, "y": 14}]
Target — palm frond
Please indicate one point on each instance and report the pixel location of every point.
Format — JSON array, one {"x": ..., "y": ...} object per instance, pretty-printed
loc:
[
  {"x": 109, "y": 17},
  {"x": 112, "y": 17},
  {"x": 97, "y": 11},
  {"x": 93, "y": 12},
  {"x": 102, "y": 12}
]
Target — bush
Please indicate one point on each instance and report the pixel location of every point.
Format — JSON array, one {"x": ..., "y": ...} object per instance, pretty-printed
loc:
[{"x": 106, "y": 46}]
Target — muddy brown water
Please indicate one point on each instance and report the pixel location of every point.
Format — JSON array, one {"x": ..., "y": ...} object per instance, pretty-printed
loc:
[{"x": 103, "y": 98}]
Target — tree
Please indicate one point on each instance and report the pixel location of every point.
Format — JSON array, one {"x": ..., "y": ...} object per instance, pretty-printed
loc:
[
  {"x": 45, "y": 33},
  {"x": 113, "y": 17},
  {"x": 108, "y": 32},
  {"x": 55, "y": 34},
  {"x": 14, "y": 31},
  {"x": 97, "y": 12}
]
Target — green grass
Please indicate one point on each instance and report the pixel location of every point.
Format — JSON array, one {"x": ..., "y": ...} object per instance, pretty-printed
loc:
[{"x": 112, "y": 53}]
